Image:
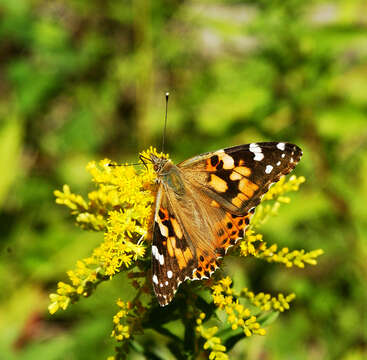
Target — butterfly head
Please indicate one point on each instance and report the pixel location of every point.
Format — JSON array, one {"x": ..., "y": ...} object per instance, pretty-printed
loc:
[{"x": 158, "y": 162}]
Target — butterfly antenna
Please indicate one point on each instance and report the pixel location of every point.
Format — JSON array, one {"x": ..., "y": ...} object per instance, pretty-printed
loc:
[
  {"x": 116, "y": 165},
  {"x": 165, "y": 122}
]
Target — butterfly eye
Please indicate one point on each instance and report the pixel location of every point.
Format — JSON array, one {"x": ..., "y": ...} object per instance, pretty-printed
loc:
[{"x": 156, "y": 167}]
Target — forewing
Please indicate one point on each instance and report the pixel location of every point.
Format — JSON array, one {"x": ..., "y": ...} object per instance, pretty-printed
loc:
[{"x": 237, "y": 177}]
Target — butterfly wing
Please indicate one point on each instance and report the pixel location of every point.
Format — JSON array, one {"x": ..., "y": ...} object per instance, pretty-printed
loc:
[
  {"x": 237, "y": 177},
  {"x": 173, "y": 254},
  {"x": 190, "y": 234},
  {"x": 194, "y": 229}
]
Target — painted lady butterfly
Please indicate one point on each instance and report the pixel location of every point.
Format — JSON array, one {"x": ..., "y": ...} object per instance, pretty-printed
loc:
[{"x": 204, "y": 205}]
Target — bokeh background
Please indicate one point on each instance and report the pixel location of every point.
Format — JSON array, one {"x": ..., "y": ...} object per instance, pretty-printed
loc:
[{"x": 85, "y": 80}]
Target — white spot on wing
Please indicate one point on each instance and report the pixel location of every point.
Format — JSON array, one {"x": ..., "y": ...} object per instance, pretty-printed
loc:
[
  {"x": 166, "y": 283},
  {"x": 169, "y": 274},
  {"x": 228, "y": 161},
  {"x": 281, "y": 146},
  {"x": 163, "y": 229},
  {"x": 155, "y": 252},
  {"x": 157, "y": 255},
  {"x": 278, "y": 163},
  {"x": 155, "y": 279},
  {"x": 256, "y": 149},
  {"x": 283, "y": 156},
  {"x": 258, "y": 156},
  {"x": 268, "y": 169}
]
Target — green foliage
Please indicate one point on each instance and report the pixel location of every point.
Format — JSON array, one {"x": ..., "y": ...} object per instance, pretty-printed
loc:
[{"x": 85, "y": 80}]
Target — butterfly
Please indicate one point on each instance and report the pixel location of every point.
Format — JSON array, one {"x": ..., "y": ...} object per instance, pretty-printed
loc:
[{"x": 204, "y": 204}]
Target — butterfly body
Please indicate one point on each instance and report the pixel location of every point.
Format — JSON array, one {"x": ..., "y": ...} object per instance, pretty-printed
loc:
[
  {"x": 170, "y": 176},
  {"x": 204, "y": 205}
]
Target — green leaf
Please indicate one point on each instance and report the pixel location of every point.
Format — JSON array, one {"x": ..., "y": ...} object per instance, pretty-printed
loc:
[
  {"x": 205, "y": 307},
  {"x": 189, "y": 339},
  {"x": 178, "y": 351},
  {"x": 10, "y": 143},
  {"x": 232, "y": 340},
  {"x": 268, "y": 318}
]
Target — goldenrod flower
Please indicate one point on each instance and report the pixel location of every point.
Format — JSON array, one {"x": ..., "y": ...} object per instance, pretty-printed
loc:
[
  {"x": 267, "y": 302},
  {"x": 212, "y": 343},
  {"x": 275, "y": 193},
  {"x": 237, "y": 314},
  {"x": 121, "y": 330},
  {"x": 121, "y": 207}
]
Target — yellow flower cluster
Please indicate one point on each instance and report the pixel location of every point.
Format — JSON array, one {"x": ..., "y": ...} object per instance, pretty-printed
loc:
[
  {"x": 212, "y": 343},
  {"x": 75, "y": 202},
  {"x": 251, "y": 244},
  {"x": 126, "y": 323},
  {"x": 284, "y": 186},
  {"x": 84, "y": 278},
  {"x": 290, "y": 258},
  {"x": 121, "y": 207},
  {"x": 276, "y": 193},
  {"x": 237, "y": 314},
  {"x": 62, "y": 299},
  {"x": 121, "y": 330},
  {"x": 254, "y": 245},
  {"x": 266, "y": 302}
]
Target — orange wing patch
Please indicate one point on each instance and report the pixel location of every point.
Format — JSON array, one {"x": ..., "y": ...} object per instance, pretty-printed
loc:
[
  {"x": 247, "y": 187},
  {"x": 177, "y": 247},
  {"x": 227, "y": 175},
  {"x": 242, "y": 170},
  {"x": 183, "y": 257},
  {"x": 206, "y": 266},
  {"x": 176, "y": 228},
  {"x": 219, "y": 160},
  {"x": 239, "y": 200},
  {"x": 214, "y": 204},
  {"x": 163, "y": 214},
  {"x": 229, "y": 230},
  {"x": 218, "y": 184}
]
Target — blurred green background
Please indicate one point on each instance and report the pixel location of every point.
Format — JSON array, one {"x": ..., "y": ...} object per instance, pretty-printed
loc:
[{"x": 85, "y": 80}]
